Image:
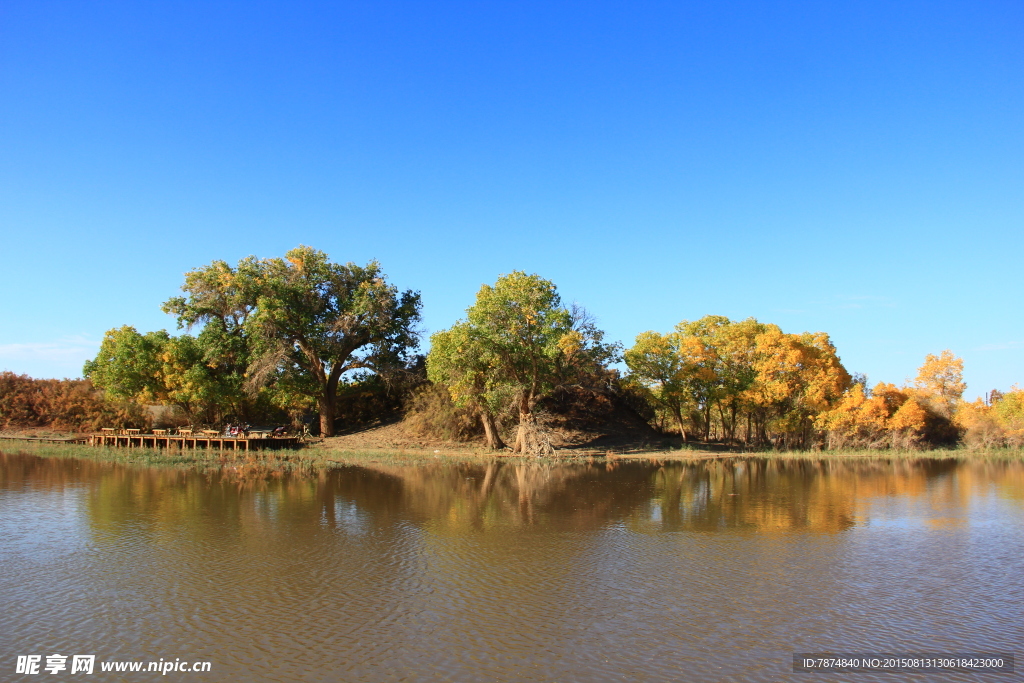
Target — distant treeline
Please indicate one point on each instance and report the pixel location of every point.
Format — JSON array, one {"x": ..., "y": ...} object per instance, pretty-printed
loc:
[
  {"x": 302, "y": 339},
  {"x": 68, "y": 404}
]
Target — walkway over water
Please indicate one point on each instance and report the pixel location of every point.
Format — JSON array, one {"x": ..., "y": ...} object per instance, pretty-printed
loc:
[{"x": 183, "y": 441}]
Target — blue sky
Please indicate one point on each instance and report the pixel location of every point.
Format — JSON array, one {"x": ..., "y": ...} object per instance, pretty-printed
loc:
[{"x": 850, "y": 167}]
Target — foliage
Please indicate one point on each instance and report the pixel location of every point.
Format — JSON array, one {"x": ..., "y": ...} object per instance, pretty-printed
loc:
[
  {"x": 889, "y": 418},
  {"x": 516, "y": 344},
  {"x": 61, "y": 404},
  {"x": 996, "y": 425},
  {"x": 157, "y": 368},
  {"x": 127, "y": 366},
  {"x": 941, "y": 379},
  {"x": 290, "y": 336},
  {"x": 367, "y": 398},
  {"x": 907, "y": 417},
  {"x": 797, "y": 377},
  {"x": 655, "y": 362},
  {"x": 716, "y": 371},
  {"x": 300, "y": 323},
  {"x": 432, "y": 413},
  {"x": 1009, "y": 411}
]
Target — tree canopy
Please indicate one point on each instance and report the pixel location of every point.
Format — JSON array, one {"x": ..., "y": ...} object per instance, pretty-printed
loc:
[
  {"x": 778, "y": 381},
  {"x": 301, "y": 321},
  {"x": 290, "y": 335},
  {"x": 516, "y": 343}
]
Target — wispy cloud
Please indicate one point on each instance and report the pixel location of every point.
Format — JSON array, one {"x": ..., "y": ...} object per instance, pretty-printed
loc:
[
  {"x": 62, "y": 354},
  {"x": 1001, "y": 346}
]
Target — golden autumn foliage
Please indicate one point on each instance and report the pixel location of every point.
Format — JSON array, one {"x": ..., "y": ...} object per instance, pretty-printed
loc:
[
  {"x": 889, "y": 417},
  {"x": 717, "y": 374},
  {"x": 899, "y": 417},
  {"x": 997, "y": 423},
  {"x": 68, "y": 404},
  {"x": 797, "y": 377},
  {"x": 941, "y": 379}
]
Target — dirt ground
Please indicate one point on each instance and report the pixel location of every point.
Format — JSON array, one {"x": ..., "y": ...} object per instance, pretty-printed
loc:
[{"x": 394, "y": 438}]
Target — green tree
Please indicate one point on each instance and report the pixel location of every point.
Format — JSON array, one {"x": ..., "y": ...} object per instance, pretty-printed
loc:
[
  {"x": 190, "y": 378},
  {"x": 128, "y": 364},
  {"x": 656, "y": 363},
  {"x": 703, "y": 364},
  {"x": 158, "y": 368},
  {"x": 459, "y": 362},
  {"x": 302, "y": 321},
  {"x": 517, "y": 343}
]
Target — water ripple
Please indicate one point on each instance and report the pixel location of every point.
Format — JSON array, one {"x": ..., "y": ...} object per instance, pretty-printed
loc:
[{"x": 570, "y": 574}]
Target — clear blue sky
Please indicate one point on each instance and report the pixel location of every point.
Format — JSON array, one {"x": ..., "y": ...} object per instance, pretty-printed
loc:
[{"x": 850, "y": 167}]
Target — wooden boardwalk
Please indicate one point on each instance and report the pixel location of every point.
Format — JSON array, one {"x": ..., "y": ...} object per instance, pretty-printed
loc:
[
  {"x": 184, "y": 441},
  {"x": 46, "y": 439}
]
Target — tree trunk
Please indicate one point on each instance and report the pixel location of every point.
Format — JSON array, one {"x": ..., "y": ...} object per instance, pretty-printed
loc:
[
  {"x": 491, "y": 436},
  {"x": 525, "y": 423},
  {"x": 679, "y": 419},
  {"x": 327, "y": 412},
  {"x": 520, "y": 445}
]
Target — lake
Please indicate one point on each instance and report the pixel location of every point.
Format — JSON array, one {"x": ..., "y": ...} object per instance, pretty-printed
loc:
[{"x": 717, "y": 570}]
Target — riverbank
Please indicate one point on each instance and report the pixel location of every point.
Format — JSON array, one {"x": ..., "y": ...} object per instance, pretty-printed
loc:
[{"x": 342, "y": 451}]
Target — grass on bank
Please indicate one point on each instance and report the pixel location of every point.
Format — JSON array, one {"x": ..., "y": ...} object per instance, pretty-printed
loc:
[
  {"x": 310, "y": 458},
  {"x": 322, "y": 456},
  {"x": 963, "y": 454}
]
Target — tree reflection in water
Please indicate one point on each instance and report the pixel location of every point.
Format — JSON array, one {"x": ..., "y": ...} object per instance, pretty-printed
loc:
[
  {"x": 754, "y": 494},
  {"x": 510, "y": 569}
]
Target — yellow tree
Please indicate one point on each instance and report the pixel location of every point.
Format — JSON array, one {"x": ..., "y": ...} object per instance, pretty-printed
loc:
[
  {"x": 735, "y": 347},
  {"x": 719, "y": 356},
  {"x": 682, "y": 369},
  {"x": 998, "y": 424},
  {"x": 859, "y": 419},
  {"x": 942, "y": 378},
  {"x": 979, "y": 424},
  {"x": 798, "y": 376},
  {"x": 702, "y": 363},
  {"x": 908, "y": 423}
]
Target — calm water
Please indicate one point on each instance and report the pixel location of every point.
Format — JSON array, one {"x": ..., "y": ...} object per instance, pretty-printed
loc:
[{"x": 710, "y": 572}]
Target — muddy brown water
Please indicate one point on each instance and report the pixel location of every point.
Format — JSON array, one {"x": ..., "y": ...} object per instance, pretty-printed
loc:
[{"x": 717, "y": 571}]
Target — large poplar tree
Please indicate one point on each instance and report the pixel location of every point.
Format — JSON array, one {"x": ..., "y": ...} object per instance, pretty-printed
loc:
[
  {"x": 305, "y": 320},
  {"x": 517, "y": 343}
]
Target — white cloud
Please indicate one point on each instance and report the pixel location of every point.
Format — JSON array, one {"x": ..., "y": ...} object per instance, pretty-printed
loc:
[{"x": 60, "y": 358}]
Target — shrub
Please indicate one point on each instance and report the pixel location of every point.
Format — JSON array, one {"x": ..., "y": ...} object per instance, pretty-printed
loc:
[
  {"x": 430, "y": 412},
  {"x": 68, "y": 404}
]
